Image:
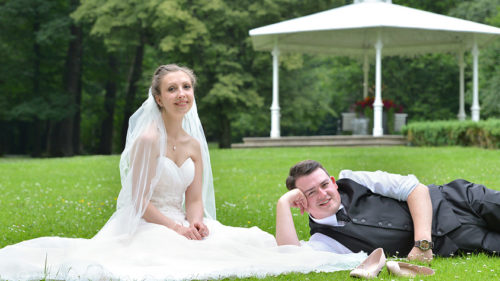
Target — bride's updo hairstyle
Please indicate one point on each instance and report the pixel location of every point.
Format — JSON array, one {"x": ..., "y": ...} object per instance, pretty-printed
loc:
[{"x": 163, "y": 70}]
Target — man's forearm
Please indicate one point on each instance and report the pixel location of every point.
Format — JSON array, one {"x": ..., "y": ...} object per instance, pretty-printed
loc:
[
  {"x": 285, "y": 228},
  {"x": 420, "y": 205}
]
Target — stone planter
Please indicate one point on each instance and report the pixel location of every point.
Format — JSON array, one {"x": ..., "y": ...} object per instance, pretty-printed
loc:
[
  {"x": 360, "y": 126},
  {"x": 347, "y": 119},
  {"x": 399, "y": 121}
]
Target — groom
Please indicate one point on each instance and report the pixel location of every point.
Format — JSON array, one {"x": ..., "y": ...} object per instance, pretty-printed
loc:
[{"x": 363, "y": 211}]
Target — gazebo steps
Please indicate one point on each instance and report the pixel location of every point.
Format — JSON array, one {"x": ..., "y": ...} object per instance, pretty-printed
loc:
[{"x": 354, "y": 140}]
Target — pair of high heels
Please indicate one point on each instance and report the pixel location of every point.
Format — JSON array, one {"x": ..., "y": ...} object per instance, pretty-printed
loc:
[{"x": 373, "y": 264}]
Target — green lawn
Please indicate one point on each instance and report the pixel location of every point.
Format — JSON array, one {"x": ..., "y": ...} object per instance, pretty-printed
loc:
[{"x": 74, "y": 197}]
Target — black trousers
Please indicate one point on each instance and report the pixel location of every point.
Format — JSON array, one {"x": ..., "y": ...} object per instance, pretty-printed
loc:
[{"x": 478, "y": 210}]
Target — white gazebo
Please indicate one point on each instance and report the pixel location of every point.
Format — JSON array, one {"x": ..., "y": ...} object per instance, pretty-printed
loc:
[{"x": 368, "y": 29}]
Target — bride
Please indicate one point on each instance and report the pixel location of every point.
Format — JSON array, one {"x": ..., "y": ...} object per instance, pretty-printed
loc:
[{"x": 165, "y": 227}]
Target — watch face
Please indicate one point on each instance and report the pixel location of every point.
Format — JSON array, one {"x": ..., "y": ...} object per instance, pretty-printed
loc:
[{"x": 424, "y": 244}]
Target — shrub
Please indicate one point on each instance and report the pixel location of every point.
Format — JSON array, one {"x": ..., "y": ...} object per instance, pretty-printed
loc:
[{"x": 445, "y": 133}]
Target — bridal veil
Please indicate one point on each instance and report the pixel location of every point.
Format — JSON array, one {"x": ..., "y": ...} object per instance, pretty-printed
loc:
[{"x": 139, "y": 170}]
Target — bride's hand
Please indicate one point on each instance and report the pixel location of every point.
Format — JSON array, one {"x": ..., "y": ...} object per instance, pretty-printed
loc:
[
  {"x": 190, "y": 232},
  {"x": 202, "y": 228}
]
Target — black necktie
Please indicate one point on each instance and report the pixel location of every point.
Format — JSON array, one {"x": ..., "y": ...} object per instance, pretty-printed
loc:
[{"x": 341, "y": 216}]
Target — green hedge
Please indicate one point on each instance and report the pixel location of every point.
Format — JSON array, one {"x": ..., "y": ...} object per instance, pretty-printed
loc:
[{"x": 444, "y": 133}]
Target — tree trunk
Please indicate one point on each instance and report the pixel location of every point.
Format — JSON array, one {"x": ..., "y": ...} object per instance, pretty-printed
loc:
[
  {"x": 77, "y": 117},
  {"x": 134, "y": 76},
  {"x": 22, "y": 138},
  {"x": 75, "y": 82},
  {"x": 36, "y": 137},
  {"x": 225, "y": 131},
  {"x": 74, "y": 86},
  {"x": 6, "y": 137},
  {"x": 106, "y": 139},
  {"x": 64, "y": 132}
]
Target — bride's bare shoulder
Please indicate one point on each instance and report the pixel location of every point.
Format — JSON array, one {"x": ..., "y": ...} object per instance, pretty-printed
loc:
[
  {"x": 194, "y": 148},
  {"x": 148, "y": 138},
  {"x": 150, "y": 134}
]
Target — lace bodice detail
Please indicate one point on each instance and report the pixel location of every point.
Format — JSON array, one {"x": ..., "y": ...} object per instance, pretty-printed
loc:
[{"x": 168, "y": 195}]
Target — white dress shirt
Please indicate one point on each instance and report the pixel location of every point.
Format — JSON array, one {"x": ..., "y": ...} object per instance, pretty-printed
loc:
[{"x": 390, "y": 185}]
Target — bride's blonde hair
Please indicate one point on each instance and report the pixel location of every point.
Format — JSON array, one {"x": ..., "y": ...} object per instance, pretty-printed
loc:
[{"x": 163, "y": 70}]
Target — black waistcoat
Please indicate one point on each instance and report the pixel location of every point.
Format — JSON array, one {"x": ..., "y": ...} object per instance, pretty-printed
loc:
[{"x": 381, "y": 222}]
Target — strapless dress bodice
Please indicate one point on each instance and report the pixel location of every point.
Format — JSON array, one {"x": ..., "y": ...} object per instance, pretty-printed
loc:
[{"x": 168, "y": 194}]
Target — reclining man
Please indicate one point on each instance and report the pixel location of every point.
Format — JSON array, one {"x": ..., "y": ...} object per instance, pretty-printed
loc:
[{"x": 362, "y": 211}]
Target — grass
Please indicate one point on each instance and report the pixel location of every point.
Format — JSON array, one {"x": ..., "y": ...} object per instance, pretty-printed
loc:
[{"x": 74, "y": 197}]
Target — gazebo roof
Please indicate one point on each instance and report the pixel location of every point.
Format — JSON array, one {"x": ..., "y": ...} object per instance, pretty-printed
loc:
[{"x": 353, "y": 30}]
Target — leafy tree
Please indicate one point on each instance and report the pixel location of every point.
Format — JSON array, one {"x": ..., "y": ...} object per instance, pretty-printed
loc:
[
  {"x": 238, "y": 79},
  {"x": 488, "y": 12},
  {"x": 308, "y": 96},
  {"x": 426, "y": 86},
  {"x": 137, "y": 24},
  {"x": 118, "y": 23},
  {"x": 35, "y": 34},
  {"x": 439, "y": 7},
  {"x": 65, "y": 134},
  {"x": 225, "y": 65},
  {"x": 490, "y": 74},
  {"x": 117, "y": 45}
]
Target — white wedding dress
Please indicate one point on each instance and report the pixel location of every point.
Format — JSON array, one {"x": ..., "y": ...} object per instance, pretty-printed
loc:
[{"x": 156, "y": 252}]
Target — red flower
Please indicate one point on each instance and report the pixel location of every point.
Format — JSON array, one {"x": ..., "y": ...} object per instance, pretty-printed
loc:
[
  {"x": 388, "y": 104},
  {"x": 360, "y": 106}
]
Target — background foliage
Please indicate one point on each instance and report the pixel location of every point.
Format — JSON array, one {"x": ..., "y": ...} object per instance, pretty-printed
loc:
[
  {"x": 76, "y": 70},
  {"x": 485, "y": 133}
]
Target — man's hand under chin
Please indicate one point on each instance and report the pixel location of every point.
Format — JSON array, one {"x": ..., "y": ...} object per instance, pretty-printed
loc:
[
  {"x": 285, "y": 228},
  {"x": 296, "y": 199}
]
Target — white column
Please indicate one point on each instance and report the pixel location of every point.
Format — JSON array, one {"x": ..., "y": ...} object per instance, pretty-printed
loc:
[
  {"x": 365, "y": 76},
  {"x": 461, "y": 111},
  {"x": 275, "y": 106},
  {"x": 377, "y": 104},
  {"x": 475, "y": 86}
]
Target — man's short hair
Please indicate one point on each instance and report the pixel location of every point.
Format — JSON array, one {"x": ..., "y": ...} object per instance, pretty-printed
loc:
[{"x": 303, "y": 168}]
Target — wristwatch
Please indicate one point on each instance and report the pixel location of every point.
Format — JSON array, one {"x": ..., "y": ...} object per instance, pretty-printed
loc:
[{"x": 424, "y": 245}]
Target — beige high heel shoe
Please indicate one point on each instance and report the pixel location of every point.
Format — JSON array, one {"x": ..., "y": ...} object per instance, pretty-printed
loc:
[
  {"x": 371, "y": 266},
  {"x": 407, "y": 269}
]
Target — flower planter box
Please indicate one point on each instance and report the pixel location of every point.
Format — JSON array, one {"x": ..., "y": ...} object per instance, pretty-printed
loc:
[
  {"x": 399, "y": 121},
  {"x": 360, "y": 126},
  {"x": 347, "y": 120}
]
